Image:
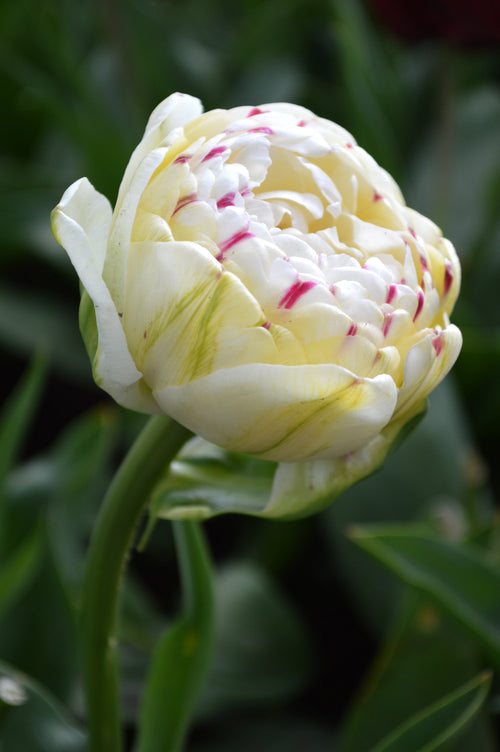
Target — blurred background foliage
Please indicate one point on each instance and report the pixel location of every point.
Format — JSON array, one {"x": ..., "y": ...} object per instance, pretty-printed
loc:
[{"x": 374, "y": 618}]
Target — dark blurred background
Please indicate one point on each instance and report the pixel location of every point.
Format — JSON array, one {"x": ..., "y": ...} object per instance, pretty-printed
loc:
[{"x": 418, "y": 84}]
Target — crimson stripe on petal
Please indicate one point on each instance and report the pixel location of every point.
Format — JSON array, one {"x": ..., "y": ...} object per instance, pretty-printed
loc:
[
  {"x": 391, "y": 293},
  {"x": 215, "y": 152},
  {"x": 448, "y": 279},
  {"x": 437, "y": 343},
  {"x": 236, "y": 238},
  {"x": 262, "y": 129},
  {"x": 184, "y": 201},
  {"x": 420, "y": 304},
  {"x": 226, "y": 200},
  {"x": 295, "y": 292},
  {"x": 387, "y": 324}
]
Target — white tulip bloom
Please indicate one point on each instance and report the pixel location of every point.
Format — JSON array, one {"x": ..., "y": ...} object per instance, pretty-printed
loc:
[{"x": 262, "y": 281}]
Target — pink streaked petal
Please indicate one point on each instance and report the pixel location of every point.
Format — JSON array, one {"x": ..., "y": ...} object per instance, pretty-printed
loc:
[
  {"x": 255, "y": 111},
  {"x": 227, "y": 200},
  {"x": 295, "y": 292},
  {"x": 391, "y": 293},
  {"x": 226, "y": 245},
  {"x": 438, "y": 342},
  {"x": 184, "y": 201},
  {"x": 353, "y": 329},
  {"x": 420, "y": 305},
  {"x": 262, "y": 129},
  {"x": 448, "y": 279},
  {"x": 387, "y": 324},
  {"x": 215, "y": 152}
]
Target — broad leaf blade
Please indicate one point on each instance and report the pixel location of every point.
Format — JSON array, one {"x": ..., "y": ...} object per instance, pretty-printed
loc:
[
  {"x": 18, "y": 413},
  {"x": 437, "y": 725},
  {"x": 19, "y": 568},
  {"x": 459, "y": 578},
  {"x": 420, "y": 638}
]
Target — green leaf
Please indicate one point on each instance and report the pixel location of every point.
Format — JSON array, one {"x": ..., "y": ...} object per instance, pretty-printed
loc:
[
  {"x": 438, "y": 724},
  {"x": 31, "y": 719},
  {"x": 17, "y": 571},
  {"x": 38, "y": 633},
  {"x": 79, "y": 464},
  {"x": 18, "y": 413},
  {"x": 420, "y": 638},
  {"x": 458, "y": 577}
]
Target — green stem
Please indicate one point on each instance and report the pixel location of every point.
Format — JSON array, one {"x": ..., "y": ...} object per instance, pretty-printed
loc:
[
  {"x": 182, "y": 656},
  {"x": 125, "y": 501},
  {"x": 195, "y": 571}
]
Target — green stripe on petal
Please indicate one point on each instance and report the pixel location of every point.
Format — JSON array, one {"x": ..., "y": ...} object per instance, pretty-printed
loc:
[
  {"x": 284, "y": 413},
  {"x": 185, "y": 317}
]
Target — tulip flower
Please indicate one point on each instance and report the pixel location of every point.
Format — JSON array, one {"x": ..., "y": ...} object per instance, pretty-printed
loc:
[{"x": 262, "y": 281}]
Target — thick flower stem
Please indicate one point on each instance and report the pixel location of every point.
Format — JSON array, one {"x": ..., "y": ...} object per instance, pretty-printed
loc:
[{"x": 126, "y": 499}]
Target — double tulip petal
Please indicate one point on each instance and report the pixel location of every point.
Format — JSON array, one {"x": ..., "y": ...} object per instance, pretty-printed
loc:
[{"x": 262, "y": 281}]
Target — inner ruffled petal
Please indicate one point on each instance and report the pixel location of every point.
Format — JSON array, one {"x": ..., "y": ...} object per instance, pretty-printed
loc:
[{"x": 314, "y": 229}]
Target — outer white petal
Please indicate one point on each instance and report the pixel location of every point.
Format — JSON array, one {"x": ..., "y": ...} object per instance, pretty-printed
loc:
[
  {"x": 81, "y": 223},
  {"x": 284, "y": 413},
  {"x": 83, "y": 209}
]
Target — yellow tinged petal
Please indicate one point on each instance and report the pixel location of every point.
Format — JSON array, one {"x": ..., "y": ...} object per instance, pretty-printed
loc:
[
  {"x": 426, "y": 365},
  {"x": 284, "y": 413},
  {"x": 185, "y": 317}
]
